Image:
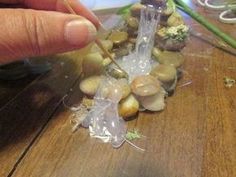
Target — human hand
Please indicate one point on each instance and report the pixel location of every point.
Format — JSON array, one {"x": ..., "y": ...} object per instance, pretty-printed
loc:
[{"x": 43, "y": 27}]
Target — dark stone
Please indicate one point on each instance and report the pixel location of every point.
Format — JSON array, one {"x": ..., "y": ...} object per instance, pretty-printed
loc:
[
  {"x": 156, "y": 3},
  {"x": 169, "y": 44}
]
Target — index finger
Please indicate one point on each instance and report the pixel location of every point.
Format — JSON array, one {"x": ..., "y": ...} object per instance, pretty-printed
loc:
[
  {"x": 10, "y": 1},
  {"x": 80, "y": 9},
  {"x": 57, "y": 5}
]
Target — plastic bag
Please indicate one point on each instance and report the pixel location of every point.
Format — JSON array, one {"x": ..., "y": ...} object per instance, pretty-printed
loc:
[
  {"x": 103, "y": 120},
  {"x": 139, "y": 62}
]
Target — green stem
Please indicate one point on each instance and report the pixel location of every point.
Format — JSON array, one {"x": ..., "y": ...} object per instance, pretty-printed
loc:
[
  {"x": 228, "y": 39},
  {"x": 180, "y": 7}
]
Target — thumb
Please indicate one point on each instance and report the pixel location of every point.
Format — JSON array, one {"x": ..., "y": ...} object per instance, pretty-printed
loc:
[{"x": 27, "y": 33}]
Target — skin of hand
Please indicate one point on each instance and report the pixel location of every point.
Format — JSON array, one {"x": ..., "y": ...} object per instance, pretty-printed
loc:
[{"x": 43, "y": 27}]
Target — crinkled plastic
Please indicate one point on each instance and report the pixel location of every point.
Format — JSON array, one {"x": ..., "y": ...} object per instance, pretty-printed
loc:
[
  {"x": 139, "y": 62},
  {"x": 103, "y": 120}
]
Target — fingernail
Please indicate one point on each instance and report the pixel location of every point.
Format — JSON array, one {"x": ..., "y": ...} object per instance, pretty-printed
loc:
[{"x": 80, "y": 32}]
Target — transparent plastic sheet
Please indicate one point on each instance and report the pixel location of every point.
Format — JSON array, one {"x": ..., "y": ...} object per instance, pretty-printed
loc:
[
  {"x": 103, "y": 119},
  {"x": 139, "y": 62},
  {"x": 113, "y": 22},
  {"x": 79, "y": 113}
]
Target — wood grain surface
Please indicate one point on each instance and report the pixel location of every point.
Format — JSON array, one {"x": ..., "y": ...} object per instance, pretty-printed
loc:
[
  {"x": 195, "y": 136},
  {"x": 23, "y": 117}
]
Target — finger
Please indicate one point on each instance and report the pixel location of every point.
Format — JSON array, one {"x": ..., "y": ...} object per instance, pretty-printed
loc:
[
  {"x": 10, "y": 4},
  {"x": 10, "y": 1},
  {"x": 59, "y": 5},
  {"x": 80, "y": 9},
  {"x": 27, "y": 33}
]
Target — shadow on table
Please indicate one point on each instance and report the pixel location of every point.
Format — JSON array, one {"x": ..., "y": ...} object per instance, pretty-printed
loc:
[
  {"x": 9, "y": 89},
  {"x": 22, "y": 119}
]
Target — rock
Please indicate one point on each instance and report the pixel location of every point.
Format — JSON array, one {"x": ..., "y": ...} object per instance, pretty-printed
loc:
[
  {"x": 132, "y": 40},
  {"x": 118, "y": 89},
  {"x": 157, "y": 3},
  {"x": 128, "y": 107},
  {"x": 118, "y": 37},
  {"x": 107, "y": 61},
  {"x": 132, "y": 22},
  {"x": 145, "y": 85},
  {"x": 120, "y": 52},
  {"x": 156, "y": 52},
  {"x": 164, "y": 73},
  {"x": 172, "y": 38},
  {"x": 125, "y": 87},
  {"x": 170, "y": 44},
  {"x": 167, "y": 74},
  {"x": 90, "y": 85},
  {"x": 108, "y": 45},
  {"x": 136, "y": 9},
  {"x": 175, "y": 59},
  {"x": 93, "y": 64},
  {"x": 116, "y": 73},
  {"x": 175, "y": 19},
  {"x": 155, "y": 102}
]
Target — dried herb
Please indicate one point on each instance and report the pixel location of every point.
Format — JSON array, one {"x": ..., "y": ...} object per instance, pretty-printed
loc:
[
  {"x": 229, "y": 82},
  {"x": 178, "y": 33},
  {"x": 132, "y": 135}
]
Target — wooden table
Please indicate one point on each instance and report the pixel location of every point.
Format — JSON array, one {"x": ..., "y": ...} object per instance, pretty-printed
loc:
[{"x": 195, "y": 136}]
